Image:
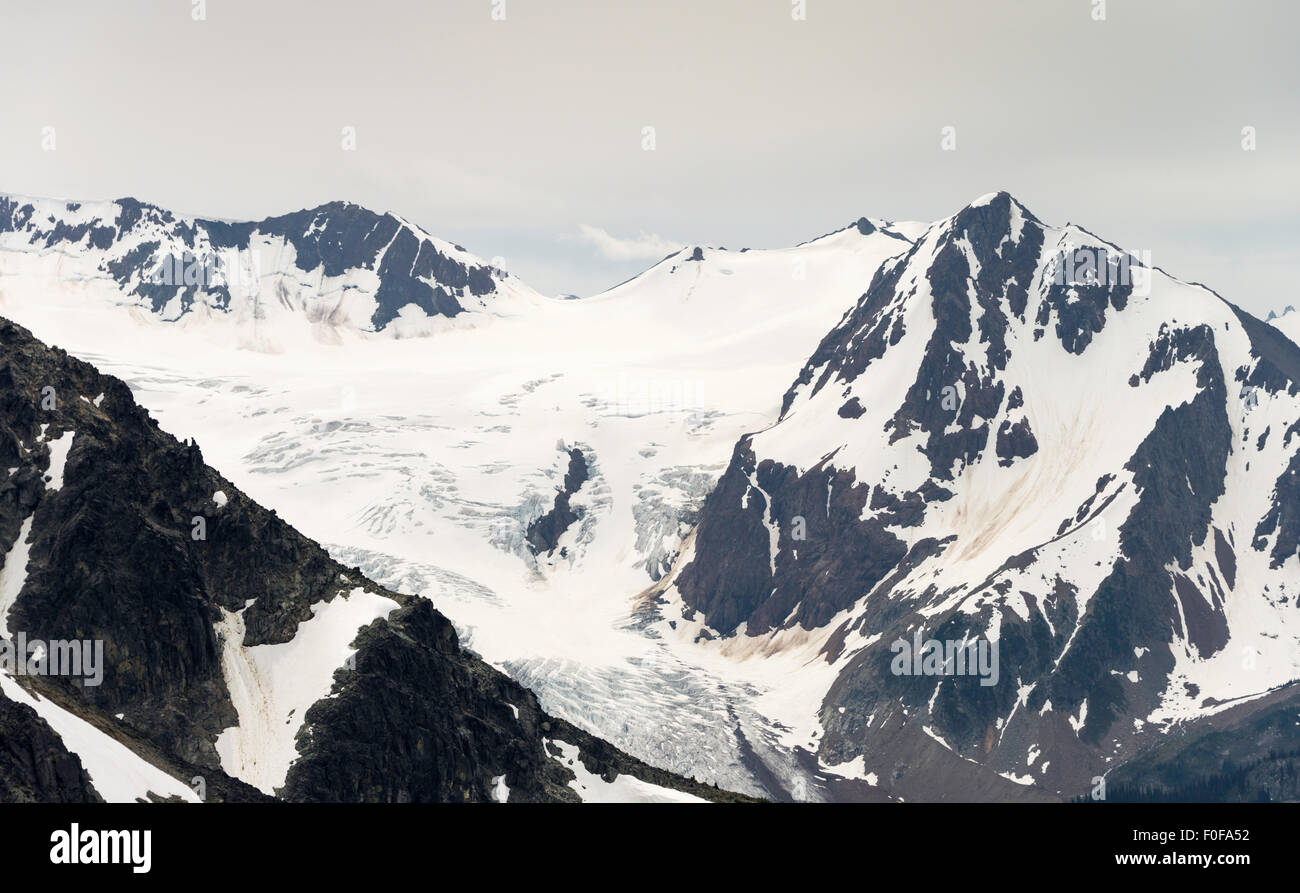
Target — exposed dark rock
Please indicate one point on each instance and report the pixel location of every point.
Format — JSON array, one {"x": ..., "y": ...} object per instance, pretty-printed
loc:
[
  {"x": 852, "y": 409},
  {"x": 1015, "y": 441},
  {"x": 815, "y": 576},
  {"x": 1283, "y": 516},
  {"x": 35, "y": 767},
  {"x": 543, "y": 534},
  {"x": 1091, "y": 281},
  {"x": 1005, "y": 269},
  {"x": 1226, "y": 558},
  {"x": 1174, "y": 346}
]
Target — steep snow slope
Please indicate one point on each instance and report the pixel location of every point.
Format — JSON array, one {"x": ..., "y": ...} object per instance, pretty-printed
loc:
[{"x": 426, "y": 462}]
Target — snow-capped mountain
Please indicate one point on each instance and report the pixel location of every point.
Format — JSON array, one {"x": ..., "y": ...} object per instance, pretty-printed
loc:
[
  {"x": 1020, "y": 438},
  {"x": 322, "y": 273},
  {"x": 165, "y": 637},
  {"x": 1014, "y": 434}
]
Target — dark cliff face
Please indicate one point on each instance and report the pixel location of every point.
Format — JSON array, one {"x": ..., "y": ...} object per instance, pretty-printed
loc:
[
  {"x": 331, "y": 239},
  {"x": 815, "y": 573},
  {"x": 544, "y": 533},
  {"x": 35, "y": 767},
  {"x": 135, "y": 548}
]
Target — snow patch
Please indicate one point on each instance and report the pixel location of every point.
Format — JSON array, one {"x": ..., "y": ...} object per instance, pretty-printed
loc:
[
  {"x": 58, "y": 459},
  {"x": 273, "y": 686},
  {"x": 500, "y": 790}
]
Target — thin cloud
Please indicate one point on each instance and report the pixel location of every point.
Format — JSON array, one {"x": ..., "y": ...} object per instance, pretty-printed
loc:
[{"x": 646, "y": 246}]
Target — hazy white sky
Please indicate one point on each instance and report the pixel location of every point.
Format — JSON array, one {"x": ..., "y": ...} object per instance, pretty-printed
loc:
[{"x": 523, "y": 137}]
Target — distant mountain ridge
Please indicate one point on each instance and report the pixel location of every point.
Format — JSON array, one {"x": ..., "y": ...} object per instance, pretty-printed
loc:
[{"x": 338, "y": 264}]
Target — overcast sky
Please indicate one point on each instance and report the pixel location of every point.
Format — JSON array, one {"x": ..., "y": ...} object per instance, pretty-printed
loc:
[{"x": 524, "y": 138}]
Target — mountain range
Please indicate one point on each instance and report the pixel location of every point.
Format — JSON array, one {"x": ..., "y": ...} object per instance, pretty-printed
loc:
[{"x": 740, "y": 516}]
